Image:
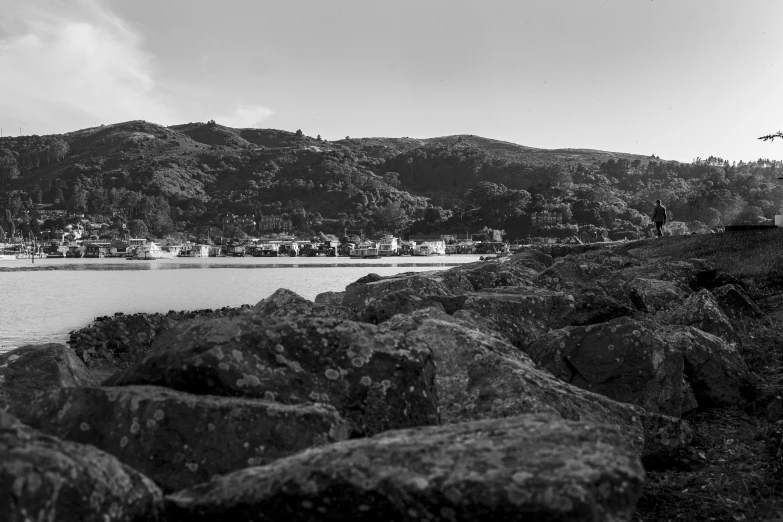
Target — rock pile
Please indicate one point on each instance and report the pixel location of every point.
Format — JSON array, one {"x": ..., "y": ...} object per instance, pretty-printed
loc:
[{"x": 521, "y": 387}]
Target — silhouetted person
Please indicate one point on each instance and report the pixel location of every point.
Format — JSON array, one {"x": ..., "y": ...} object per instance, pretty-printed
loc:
[{"x": 659, "y": 216}]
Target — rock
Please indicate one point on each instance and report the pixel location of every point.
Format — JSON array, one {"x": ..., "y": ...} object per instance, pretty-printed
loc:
[
  {"x": 45, "y": 478},
  {"x": 399, "y": 302},
  {"x": 445, "y": 282},
  {"x": 689, "y": 402},
  {"x": 532, "y": 258},
  {"x": 285, "y": 303},
  {"x": 665, "y": 439},
  {"x": 499, "y": 272},
  {"x": 481, "y": 376},
  {"x": 178, "y": 439},
  {"x": 121, "y": 340},
  {"x": 681, "y": 273},
  {"x": 330, "y": 298},
  {"x": 714, "y": 368},
  {"x": 593, "y": 304},
  {"x": 621, "y": 359},
  {"x": 372, "y": 375},
  {"x": 32, "y": 370},
  {"x": 519, "y": 468},
  {"x": 650, "y": 295},
  {"x": 735, "y": 303},
  {"x": 521, "y": 313},
  {"x": 701, "y": 310},
  {"x": 613, "y": 259}
]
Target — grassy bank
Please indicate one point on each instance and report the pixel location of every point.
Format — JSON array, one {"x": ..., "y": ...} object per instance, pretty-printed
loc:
[
  {"x": 735, "y": 471},
  {"x": 754, "y": 256}
]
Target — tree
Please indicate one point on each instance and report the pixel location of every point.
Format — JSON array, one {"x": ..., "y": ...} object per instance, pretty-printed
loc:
[
  {"x": 750, "y": 215},
  {"x": 390, "y": 217},
  {"x": 771, "y": 137},
  {"x": 138, "y": 228},
  {"x": 2, "y": 235}
]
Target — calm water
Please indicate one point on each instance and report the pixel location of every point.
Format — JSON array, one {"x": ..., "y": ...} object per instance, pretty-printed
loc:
[{"x": 44, "y": 301}]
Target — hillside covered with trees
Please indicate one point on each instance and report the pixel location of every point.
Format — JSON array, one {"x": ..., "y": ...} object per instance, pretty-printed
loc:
[{"x": 184, "y": 178}]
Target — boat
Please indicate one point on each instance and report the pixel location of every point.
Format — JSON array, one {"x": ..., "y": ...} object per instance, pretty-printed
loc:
[
  {"x": 149, "y": 251},
  {"x": 7, "y": 257},
  {"x": 319, "y": 248},
  {"x": 365, "y": 250},
  {"x": 389, "y": 246},
  {"x": 75, "y": 250}
]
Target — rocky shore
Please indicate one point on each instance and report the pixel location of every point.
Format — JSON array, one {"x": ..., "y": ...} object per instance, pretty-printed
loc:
[{"x": 539, "y": 386}]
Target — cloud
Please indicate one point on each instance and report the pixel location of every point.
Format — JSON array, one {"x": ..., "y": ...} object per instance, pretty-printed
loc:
[
  {"x": 65, "y": 69},
  {"x": 245, "y": 116}
]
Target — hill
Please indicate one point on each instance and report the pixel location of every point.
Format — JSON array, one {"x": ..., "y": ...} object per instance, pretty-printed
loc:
[{"x": 190, "y": 176}]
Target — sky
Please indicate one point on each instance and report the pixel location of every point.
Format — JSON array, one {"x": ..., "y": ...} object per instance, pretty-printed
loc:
[{"x": 676, "y": 78}]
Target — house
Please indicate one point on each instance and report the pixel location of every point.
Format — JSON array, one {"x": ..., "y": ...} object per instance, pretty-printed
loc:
[
  {"x": 428, "y": 244},
  {"x": 274, "y": 222},
  {"x": 545, "y": 218}
]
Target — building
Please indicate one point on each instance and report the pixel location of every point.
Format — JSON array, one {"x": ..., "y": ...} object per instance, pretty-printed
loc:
[
  {"x": 274, "y": 223},
  {"x": 545, "y": 218},
  {"x": 239, "y": 221}
]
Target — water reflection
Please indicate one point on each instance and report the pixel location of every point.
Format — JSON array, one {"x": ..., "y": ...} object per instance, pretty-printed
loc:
[{"x": 180, "y": 266}]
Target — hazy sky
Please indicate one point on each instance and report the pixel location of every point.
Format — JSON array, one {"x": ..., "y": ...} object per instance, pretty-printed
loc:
[{"x": 675, "y": 78}]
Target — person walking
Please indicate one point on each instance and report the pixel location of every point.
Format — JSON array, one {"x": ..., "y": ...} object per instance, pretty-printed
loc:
[{"x": 659, "y": 216}]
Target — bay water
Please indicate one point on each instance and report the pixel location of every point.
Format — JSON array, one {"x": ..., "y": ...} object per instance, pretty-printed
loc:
[{"x": 43, "y": 302}]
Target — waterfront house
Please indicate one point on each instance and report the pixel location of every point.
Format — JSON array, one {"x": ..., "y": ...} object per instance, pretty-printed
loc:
[{"x": 428, "y": 244}]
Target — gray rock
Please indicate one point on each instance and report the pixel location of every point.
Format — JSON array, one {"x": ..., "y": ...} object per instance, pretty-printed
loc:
[
  {"x": 621, "y": 359},
  {"x": 45, "y": 478},
  {"x": 521, "y": 313},
  {"x": 593, "y": 303},
  {"x": 519, "y": 468},
  {"x": 370, "y": 374},
  {"x": 736, "y": 303},
  {"x": 285, "y": 303},
  {"x": 701, "y": 310},
  {"x": 714, "y": 368},
  {"x": 651, "y": 295},
  {"x": 481, "y": 376},
  {"x": 30, "y": 371},
  {"x": 444, "y": 282},
  {"x": 178, "y": 439}
]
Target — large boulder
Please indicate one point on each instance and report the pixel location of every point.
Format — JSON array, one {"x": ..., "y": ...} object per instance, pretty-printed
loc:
[
  {"x": 118, "y": 341},
  {"x": 532, "y": 258},
  {"x": 684, "y": 274},
  {"x": 285, "y": 303},
  {"x": 499, "y": 272},
  {"x": 701, "y": 310},
  {"x": 443, "y": 282},
  {"x": 372, "y": 375},
  {"x": 45, "y": 478},
  {"x": 612, "y": 258},
  {"x": 398, "y": 302},
  {"x": 716, "y": 371},
  {"x": 178, "y": 439},
  {"x": 736, "y": 303},
  {"x": 621, "y": 359},
  {"x": 521, "y": 313},
  {"x": 30, "y": 371},
  {"x": 481, "y": 376},
  {"x": 651, "y": 295},
  {"x": 518, "y": 468},
  {"x": 593, "y": 304}
]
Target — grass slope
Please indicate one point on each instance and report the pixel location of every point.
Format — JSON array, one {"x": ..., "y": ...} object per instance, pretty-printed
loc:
[{"x": 736, "y": 472}]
